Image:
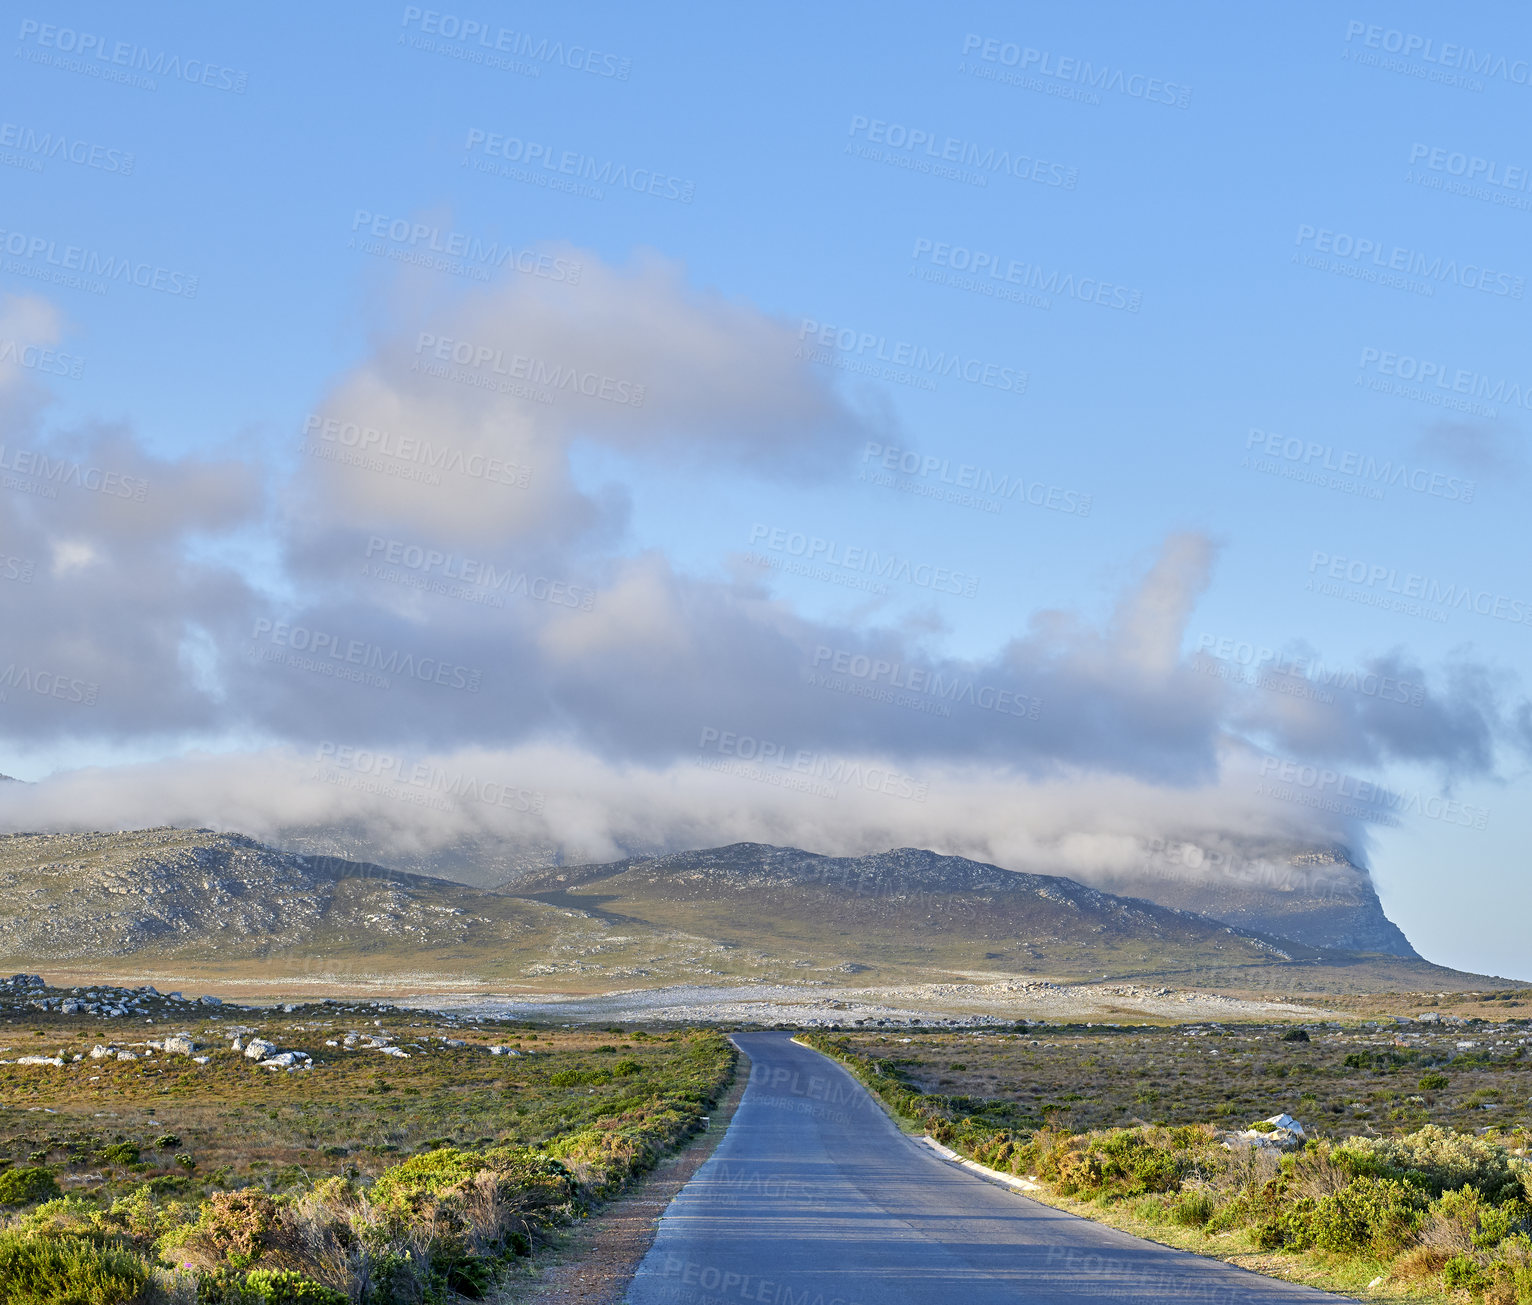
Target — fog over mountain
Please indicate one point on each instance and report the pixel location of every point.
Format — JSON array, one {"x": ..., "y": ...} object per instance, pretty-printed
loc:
[{"x": 324, "y": 639}]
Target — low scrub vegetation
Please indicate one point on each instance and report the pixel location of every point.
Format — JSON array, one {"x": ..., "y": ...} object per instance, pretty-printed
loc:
[
  {"x": 1431, "y": 1210},
  {"x": 363, "y": 1181}
]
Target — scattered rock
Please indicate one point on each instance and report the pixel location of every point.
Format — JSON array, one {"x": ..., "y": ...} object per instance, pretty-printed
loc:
[
  {"x": 1279, "y": 1133},
  {"x": 259, "y": 1048}
]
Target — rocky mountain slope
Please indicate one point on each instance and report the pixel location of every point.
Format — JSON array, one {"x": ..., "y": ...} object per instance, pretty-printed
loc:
[
  {"x": 88, "y": 897},
  {"x": 1320, "y": 897},
  {"x": 195, "y": 903},
  {"x": 904, "y": 903}
]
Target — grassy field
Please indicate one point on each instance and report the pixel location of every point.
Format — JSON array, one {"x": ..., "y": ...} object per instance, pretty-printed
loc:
[
  {"x": 1411, "y": 1181},
  {"x": 1340, "y": 1081},
  {"x": 415, "y": 1175}
]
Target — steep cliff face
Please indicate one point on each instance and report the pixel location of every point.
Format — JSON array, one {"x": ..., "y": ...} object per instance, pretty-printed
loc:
[{"x": 1320, "y": 897}]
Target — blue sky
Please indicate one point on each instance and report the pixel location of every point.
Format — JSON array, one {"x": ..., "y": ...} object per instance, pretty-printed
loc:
[{"x": 1226, "y": 222}]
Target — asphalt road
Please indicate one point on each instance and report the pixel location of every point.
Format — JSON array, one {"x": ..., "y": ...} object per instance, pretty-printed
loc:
[{"x": 815, "y": 1198}]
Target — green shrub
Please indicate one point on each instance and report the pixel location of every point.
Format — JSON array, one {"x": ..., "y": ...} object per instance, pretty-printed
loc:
[
  {"x": 27, "y": 1185},
  {"x": 427, "y": 1175},
  {"x": 138, "y": 1218},
  {"x": 1376, "y": 1214},
  {"x": 1438, "y": 1160},
  {"x": 1500, "y": 1222},
  {"x": 1124, "y": 1162},
  {"x": 1465, "y": 1273},
  {"x": 234, "y": 1228},
  {"x": 1464, "y": 1217},
  {"x": 68, "y": 1271},
  {"x": 1193, "y": 1209},
  {"x": 1433, "y": 1081},
  {"x": 626, "y": 1067},
  {"x": 265, "y": 1287},
  {"x": 165, "y": 1141},
  {"x": 1296, "y": 1035},
  {"x": 1292, "y": 1229},
  {"x": 120, "y": 1153}
]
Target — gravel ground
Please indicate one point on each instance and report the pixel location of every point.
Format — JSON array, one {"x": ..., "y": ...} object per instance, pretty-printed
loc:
[{"x": 968, "y": 1003}]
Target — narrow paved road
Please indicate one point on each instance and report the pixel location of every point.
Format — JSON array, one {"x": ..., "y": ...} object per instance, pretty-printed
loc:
[{"x": 815, "y": 1198}]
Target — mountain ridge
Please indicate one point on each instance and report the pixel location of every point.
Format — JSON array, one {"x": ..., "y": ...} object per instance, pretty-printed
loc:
[{"x": 744, "y": 912}]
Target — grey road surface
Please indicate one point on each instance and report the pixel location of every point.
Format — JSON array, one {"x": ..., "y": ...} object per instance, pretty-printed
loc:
[{"x": 815, "y": 1198}]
